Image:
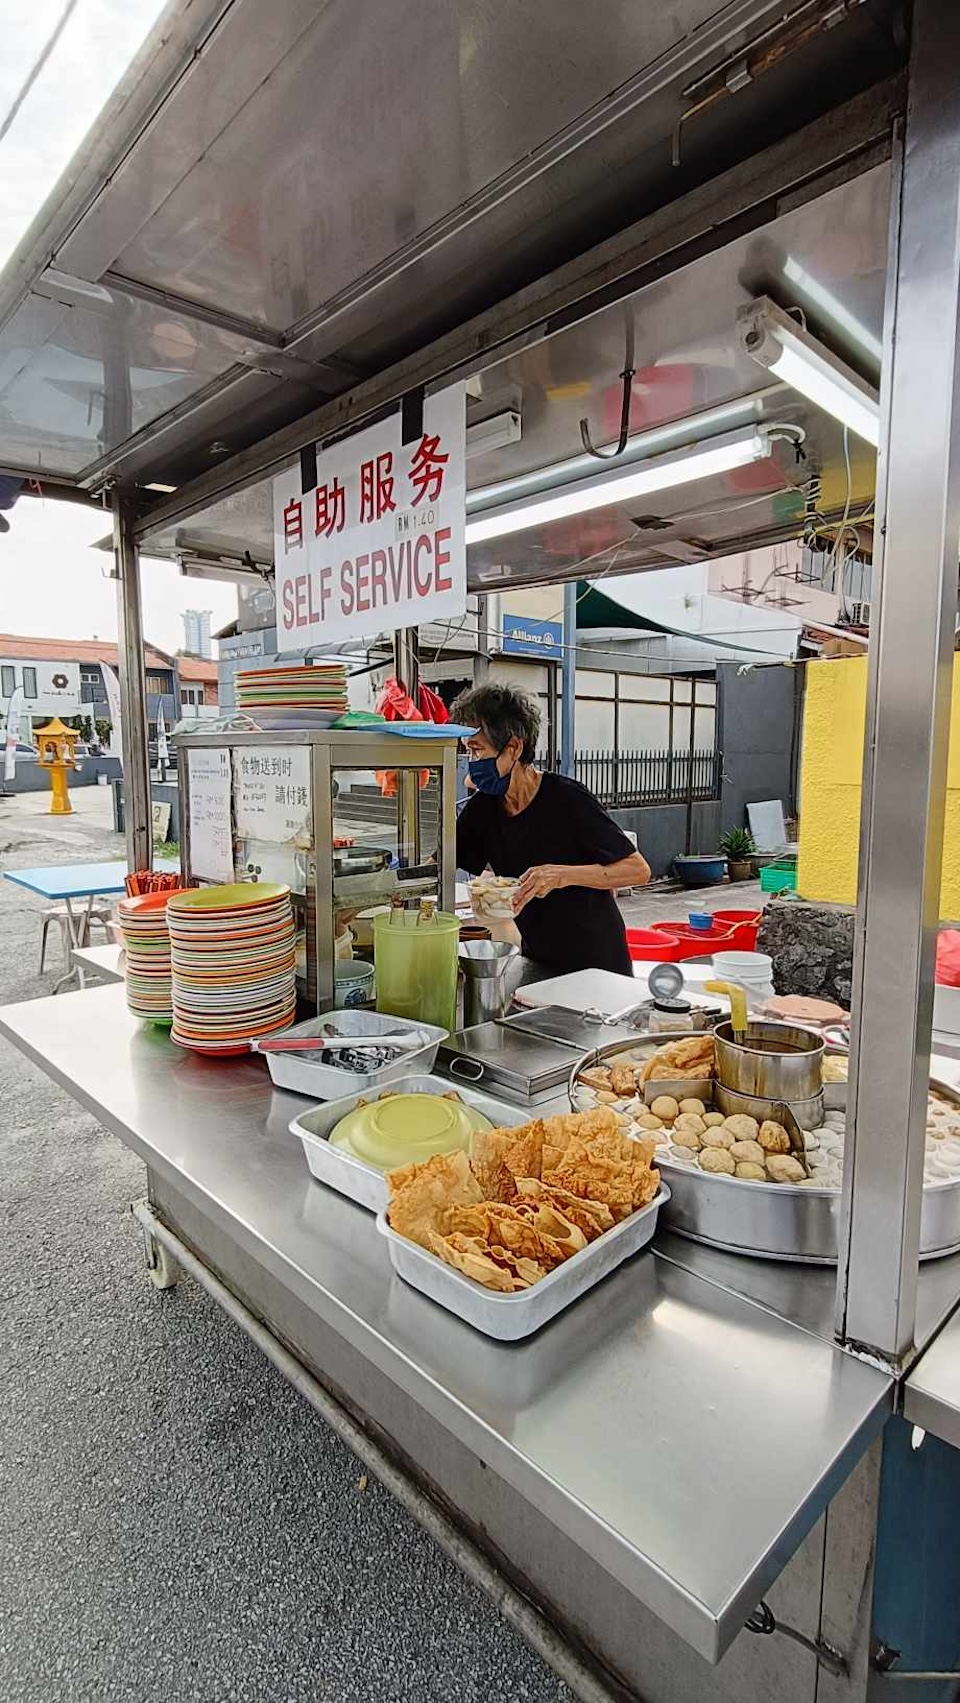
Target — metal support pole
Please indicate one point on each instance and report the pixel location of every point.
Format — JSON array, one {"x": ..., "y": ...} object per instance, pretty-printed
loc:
[
  {"x": 481, "y": 661},
  {"x": 406, "y": 666},
  {"x": 133, "y": 687},
  {"x": 568, "y": 682},
  {"x": 911, "y": 657}
]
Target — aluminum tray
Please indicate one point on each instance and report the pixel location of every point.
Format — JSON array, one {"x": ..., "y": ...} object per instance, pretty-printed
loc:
[
  {"x": 510, "y": 1317},
  {"x": 364, "y": 1183},
  {"x": 777, "y": 1220},
  {"x": 326, "y": 1081}
]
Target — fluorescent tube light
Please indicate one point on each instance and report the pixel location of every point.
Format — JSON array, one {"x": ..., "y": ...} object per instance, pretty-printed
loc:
[
  {"x": 778, "y": 343},
  {"x": 823, "y": 302},
  {"x": 623, "y": 485},
  {"x": 693, "y": 429},
  {"x": 495, "y": 433}
]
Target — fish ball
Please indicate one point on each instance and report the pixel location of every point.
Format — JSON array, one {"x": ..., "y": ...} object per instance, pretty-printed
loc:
[
  {"x": 784, "y": 1168},
  {"x": 717, "y": 1159},
  {"x": 744, "y": 1128},
  {"x": 665, "y": 1107},
  {"x": 773, "y": 1138},
  {"x": 748, "y": 1153},
  {"x": 718, "y": 1136}
]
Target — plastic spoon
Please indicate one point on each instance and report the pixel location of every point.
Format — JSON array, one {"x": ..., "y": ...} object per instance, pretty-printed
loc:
[{"x": 738, "y": 1007}]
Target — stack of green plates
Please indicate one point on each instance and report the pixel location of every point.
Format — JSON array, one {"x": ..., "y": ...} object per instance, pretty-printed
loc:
[{"x": 293, "y": 696}]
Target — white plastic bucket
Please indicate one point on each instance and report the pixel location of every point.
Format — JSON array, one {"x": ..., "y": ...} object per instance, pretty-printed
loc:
[{"x": 753, "y": 971}]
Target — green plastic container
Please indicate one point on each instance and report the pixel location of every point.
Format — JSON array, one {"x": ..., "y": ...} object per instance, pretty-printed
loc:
[
  {"x": 778, "y": 878},
  {"x": 416, "y": 965}
]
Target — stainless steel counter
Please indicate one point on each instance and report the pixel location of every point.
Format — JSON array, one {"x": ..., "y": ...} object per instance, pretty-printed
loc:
[
  {"x": 806, "y": 1295},
  {"x": 682, "y": 1435},
  {"x": 931, "y": 1393}
]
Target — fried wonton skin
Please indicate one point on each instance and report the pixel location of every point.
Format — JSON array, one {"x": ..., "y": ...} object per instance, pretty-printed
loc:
[{"x": 422, "y": 1194}]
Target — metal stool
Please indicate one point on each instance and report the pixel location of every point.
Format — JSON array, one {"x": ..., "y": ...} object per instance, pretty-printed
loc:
[{"x": 98, "y": 915}]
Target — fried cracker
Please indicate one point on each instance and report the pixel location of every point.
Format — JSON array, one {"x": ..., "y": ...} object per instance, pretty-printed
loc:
[
  {"x": 594, "y": 1177},
  {"x": 590, "y": 1216},
  {"x": 623, "y": 1080},
  {"x": 488, "y": 1150},
  {"x": 524, "y": 1158},
  {"x": 421, "y": 1194},
  {"x": 474, "y": 1261},
  {"x": 553, "y": 1226}
]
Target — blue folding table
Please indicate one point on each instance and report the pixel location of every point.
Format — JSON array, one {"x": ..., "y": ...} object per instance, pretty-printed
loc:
[{"x": 69, "y": 881}]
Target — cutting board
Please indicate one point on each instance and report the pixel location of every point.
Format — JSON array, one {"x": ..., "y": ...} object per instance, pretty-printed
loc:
[{"x": 585, "y": 990}]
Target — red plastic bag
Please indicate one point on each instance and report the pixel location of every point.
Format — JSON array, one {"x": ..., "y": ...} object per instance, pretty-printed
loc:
[
  {"x": 948, "y": 958},
  {"x": 396, "y": 704}
]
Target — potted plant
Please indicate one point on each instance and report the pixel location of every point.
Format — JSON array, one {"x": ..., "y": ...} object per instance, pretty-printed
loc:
[{"x": 738, "y": 846}]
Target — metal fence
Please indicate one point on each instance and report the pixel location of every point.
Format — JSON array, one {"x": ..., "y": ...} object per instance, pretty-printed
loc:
[{"x": 622, "y": 778}]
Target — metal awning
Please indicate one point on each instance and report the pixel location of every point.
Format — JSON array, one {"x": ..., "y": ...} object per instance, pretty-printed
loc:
[{"x": 269, "y": 214}]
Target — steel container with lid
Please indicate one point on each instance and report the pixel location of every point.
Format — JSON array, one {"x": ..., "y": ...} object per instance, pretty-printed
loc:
[{"x": 775, "y": 1061}]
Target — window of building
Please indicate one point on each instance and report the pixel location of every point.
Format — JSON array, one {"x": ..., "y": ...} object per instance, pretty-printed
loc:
[
  {"x": 92, "y": 688},
  {"x": 8, "y": 681},
  {"x": 191, "y": 695},
  {"x": 158, "y": 684},
  {"x": 30, "y": 683}
]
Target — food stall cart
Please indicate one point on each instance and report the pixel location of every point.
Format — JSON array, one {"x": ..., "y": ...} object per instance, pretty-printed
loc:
[{"x": 698, "y": 1453}]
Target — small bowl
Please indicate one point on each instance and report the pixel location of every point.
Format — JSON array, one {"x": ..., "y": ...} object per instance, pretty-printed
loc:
[{"x": 700, "y": 919}]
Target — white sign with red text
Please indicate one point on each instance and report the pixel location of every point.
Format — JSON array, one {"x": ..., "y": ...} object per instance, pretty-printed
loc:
[{"x": 380, "y": 543}]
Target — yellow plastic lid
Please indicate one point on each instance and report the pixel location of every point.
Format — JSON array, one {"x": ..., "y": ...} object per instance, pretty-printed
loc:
[{"x": 405, "y": 1129}]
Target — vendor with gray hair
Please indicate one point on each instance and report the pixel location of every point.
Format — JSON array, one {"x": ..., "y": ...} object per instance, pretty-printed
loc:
[{"x": 550, "y": 831}]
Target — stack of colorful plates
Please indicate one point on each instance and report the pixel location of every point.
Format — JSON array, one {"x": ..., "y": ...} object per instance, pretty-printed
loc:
[
  {"x": 304, "y": 696},
  {"x": 146, "y": 947},
  {"x": 233, "y": 962}
]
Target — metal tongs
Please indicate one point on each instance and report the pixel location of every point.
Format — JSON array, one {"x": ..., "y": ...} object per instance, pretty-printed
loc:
[{"x": 407, "y": 1041}]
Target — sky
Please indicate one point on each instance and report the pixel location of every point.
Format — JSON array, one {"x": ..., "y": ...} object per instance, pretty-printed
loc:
[
  {"x": 98, "y": 42},
  {"x": 53, "y": 585}
]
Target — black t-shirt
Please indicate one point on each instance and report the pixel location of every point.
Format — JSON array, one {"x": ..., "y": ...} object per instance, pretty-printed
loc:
[{"x": 575, "y": 928}]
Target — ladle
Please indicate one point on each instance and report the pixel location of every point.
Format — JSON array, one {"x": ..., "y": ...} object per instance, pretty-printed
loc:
[{"x": 738, "y": 1007}]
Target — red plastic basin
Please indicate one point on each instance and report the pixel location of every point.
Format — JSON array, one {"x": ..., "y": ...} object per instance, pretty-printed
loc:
[
  {"x": 746, "y": 927},
  {"x": 693, "y": 942},
  {"x": 644, "y": 943}
]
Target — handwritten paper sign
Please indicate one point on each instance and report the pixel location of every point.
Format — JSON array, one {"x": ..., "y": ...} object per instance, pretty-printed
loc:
[
  {"x": 271, "y": 794},
  {"x": 211, "y": 837},
  {"x": 379, "y": 544}
]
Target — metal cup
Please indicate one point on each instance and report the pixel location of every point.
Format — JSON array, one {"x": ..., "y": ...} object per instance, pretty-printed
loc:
[{"x": 490, "y": 972}]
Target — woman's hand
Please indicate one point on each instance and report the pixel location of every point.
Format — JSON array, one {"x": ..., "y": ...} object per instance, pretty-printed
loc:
[{"x": 544, "y": 878}]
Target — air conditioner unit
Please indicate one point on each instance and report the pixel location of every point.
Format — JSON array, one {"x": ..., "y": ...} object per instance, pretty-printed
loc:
[{"x": 859, "y": 613}]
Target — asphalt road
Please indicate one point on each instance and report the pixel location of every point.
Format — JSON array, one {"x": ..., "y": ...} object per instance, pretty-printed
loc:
[{"x": 176, "y": 1526}]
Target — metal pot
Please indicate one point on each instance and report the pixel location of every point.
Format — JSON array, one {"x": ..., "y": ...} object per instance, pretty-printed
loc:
[
  {"x": 777, "y": 1062},
  {"x": 808, "y": 1113}
]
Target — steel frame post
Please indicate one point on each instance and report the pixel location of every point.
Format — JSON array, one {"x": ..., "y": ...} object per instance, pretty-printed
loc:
[
  {"x": 568, "y": 681},
  {"x": 133, "y": 685},
  {"x": 909, "y": 694},
  {"x": 406, "y": 660}
]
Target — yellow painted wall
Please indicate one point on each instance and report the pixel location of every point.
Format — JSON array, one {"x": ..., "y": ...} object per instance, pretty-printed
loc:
[{"x": 831, "y": 769}]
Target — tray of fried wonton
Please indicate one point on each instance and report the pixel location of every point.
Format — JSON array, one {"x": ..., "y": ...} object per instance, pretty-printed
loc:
[{"x": 511, "y": 1233}]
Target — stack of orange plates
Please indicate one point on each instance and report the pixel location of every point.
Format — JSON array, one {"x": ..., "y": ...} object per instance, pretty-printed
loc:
[
  {"x": 146, "y": 948},
  {"x": 233, "y": 960}
]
